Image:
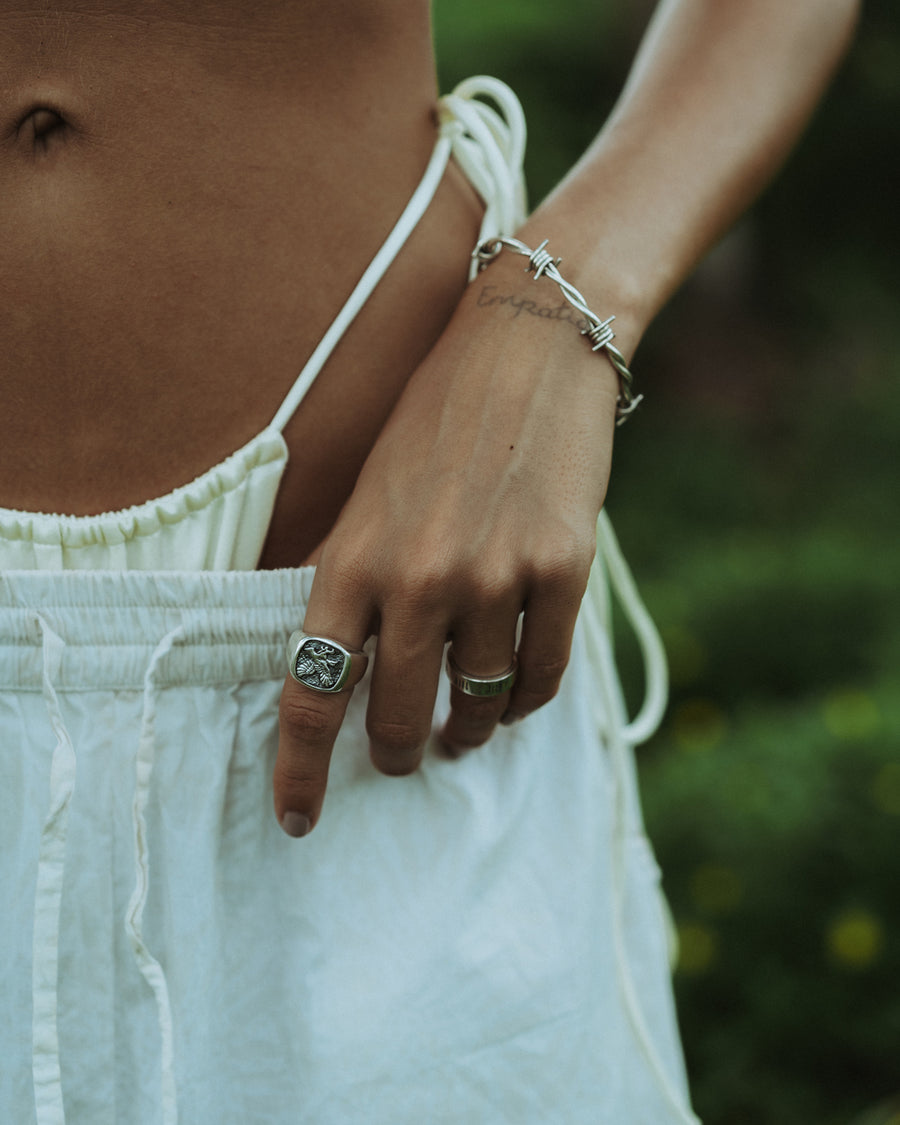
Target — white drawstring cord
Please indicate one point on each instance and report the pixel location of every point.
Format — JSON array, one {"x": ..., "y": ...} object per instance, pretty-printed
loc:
[
  {"x": 46, "y": 1072},
  {"x": 490, "y": 148},
  {"x": 619, "y": 750},
  {"x": 621, "y": 736},
  {"x": 656, "y": 688},
  {"x": 414, "y": 210},
  {"x": 150, "y": 968},
  {"x": 509, "y": 130}
]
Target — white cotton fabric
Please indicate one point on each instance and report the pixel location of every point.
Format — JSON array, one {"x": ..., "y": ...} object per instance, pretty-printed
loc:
[
  {"x": 442, "y": 948},
  {"x": 483, "y": 941}
]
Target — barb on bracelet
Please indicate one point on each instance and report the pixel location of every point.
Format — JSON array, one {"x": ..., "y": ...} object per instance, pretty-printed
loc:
[
  {"x": 600, "y": 334},
  {"x": 540, "y": 260},
  {"x": 542, "y": 264}
]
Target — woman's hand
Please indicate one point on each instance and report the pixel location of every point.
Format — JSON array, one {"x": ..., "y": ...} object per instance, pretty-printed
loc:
[
  {"x": 477, "y": 504},
  {"x": 479, "y": 500}
]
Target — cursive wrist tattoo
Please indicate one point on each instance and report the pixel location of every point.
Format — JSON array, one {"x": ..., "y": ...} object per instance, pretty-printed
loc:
[
  {"x": 598, "y": 332},
  {"x": 490, "y": 297}
]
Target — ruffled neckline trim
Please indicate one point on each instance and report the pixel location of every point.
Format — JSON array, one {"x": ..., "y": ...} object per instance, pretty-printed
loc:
[{"x": 266, "y": 449}]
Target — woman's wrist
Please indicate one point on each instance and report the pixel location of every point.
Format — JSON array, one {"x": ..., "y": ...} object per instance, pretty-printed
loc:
[
  {"x": 526, "y": 328},
  {"x": 596, "y": 329},
  {"x": 592, "y": 259}
]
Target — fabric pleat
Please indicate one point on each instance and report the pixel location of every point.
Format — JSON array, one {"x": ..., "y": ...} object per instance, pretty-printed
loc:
[
  {"x": 48, "y": 894},
  {"x": 150, "y": 968}
]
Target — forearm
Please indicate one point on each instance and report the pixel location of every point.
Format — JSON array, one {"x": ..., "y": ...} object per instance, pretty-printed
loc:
[{"x": 718, "y": 94}]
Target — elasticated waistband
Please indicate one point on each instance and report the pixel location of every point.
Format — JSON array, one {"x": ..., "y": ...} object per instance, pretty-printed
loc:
[{"x": 227, "y": 626}]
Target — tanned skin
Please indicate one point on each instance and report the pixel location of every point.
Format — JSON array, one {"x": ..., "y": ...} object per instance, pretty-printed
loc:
[{"x": 188, "y": 192}]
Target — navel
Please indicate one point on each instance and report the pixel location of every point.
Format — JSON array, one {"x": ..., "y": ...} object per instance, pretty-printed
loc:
[{"x": 42, "y": 128}]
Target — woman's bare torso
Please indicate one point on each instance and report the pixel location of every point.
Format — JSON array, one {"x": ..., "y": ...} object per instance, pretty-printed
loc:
[{"x": 188, "y": 192}]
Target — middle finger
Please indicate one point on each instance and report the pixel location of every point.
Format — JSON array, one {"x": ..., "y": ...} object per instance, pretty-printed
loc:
[{"x": 404, "y": 688}]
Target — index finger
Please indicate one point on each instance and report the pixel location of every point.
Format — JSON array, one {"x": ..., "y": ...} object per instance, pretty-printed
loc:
[
  {"x": 307, "y": 728},
  {"x": 313, "y": 704}
]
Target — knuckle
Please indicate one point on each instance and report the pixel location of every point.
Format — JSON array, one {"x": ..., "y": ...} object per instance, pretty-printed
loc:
[
  {"x": 398, "y": 738},
  {"x": 346, "y": 575},
  {"x": 437, "y": 575},
  {"x": 492, "y": 585},
  {"x": 477, "y": 713},
  {"x": 566, "y": 561},
  {"x": 540, "y": 681},
  {"x": 302, "y": 714},
  {"x": 529, "y": 699},
  {"x": 547, "y": 671},
  {"x": 298, "y": 779},
  {"x": 423, "y": 585},
  {"x": 474, "y": 728}
]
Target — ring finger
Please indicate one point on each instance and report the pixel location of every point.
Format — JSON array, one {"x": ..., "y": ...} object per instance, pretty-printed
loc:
[{"x": 481, "y": 665}]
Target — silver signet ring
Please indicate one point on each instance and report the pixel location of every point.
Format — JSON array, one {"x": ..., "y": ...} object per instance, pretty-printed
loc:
[{"x": 323, "y": 664}]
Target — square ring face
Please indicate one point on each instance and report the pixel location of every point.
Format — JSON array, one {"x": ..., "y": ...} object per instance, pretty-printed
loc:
[{"x": 321, "y": 665}]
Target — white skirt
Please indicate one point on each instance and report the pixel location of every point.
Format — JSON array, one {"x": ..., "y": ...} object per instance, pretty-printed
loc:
[{"x": 483, "y": 941}]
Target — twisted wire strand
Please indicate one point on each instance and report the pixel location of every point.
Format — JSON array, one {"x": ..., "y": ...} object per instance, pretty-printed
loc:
[{"x": 541, "y": 263}]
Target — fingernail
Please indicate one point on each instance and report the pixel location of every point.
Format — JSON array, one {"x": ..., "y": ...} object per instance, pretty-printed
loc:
[
  {"x": 511, "y": 717},
  {"x": 295, "y": 824}
]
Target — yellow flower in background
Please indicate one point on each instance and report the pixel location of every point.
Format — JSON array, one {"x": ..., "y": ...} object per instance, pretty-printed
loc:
[
  {"x": 698, "y": 947},
  {"x": 851, "y": 714},
  {"x": 855, "y": 939}
]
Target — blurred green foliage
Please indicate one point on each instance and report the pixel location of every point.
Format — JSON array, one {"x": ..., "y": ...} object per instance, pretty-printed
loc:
[{"x": 757, "y": 495}]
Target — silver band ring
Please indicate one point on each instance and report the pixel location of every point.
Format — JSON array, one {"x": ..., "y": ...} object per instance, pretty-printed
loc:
[
  {"x": 482, "y": 687},
  {"x": 323, "y": 664}
]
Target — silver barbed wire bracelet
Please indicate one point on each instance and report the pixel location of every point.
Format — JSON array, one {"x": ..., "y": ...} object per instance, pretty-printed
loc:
[{"x": 543, "y": 264}]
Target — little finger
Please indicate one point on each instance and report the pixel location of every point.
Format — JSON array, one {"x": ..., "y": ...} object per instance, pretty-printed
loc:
[{"x": 544, "y": 649}]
